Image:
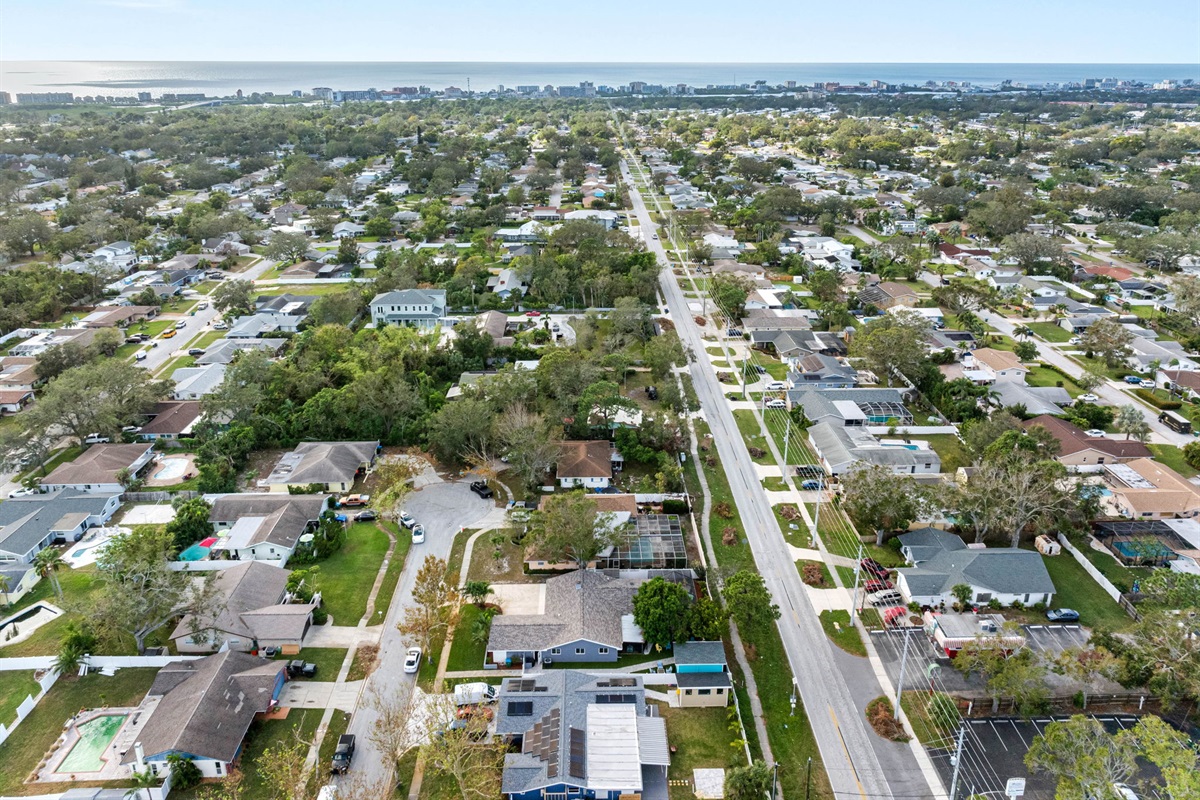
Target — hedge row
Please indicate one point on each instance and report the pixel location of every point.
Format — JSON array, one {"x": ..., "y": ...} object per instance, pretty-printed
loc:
[{"x": 1158, "y": 402}]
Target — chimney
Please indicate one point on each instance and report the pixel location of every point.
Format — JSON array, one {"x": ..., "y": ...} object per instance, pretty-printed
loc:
[{"x": 140, "y": 755}]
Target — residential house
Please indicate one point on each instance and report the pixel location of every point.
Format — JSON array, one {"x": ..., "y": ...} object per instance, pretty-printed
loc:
[
  {"x": 586, "y": 464},
  {"x": 284, "y": 313},
  {"x": 1037, "y": 400},
  {"x": 1146, "y": 489},
  {"x": 495, "y": 325},
  {"x": 333, "y": 465},
  {"x": 506, "y": 283},
  {"x": 415, "y": 308},
  {"x": 348, "y": 230},
  {"x": 193, "y": 383},
  {"x": 99, "y": 469},
  {"x": 265, "y": 526},
  {"x": 888, "y": 294},
  {"x": 43, "y": 341},
  {"x": 170, "y": 419},
  {"x": 941, "y": 560},
  {"x": 315, "y": 269},
  {"x": 1186, "y": 382},
  {"x": 609, "y": 219},
  {"x": 31, "y": 523},
  {"x": 793, "y": 344},
  {"x": 851, "y": 407},
  {"x": 118, "y": 254},
  {"x": 774, "y": 320},
  {"x": 247, "y": 611},
  {"x": 204, "y": 709},
  {"x": 839, "y": 448},
  {"x": 224, "y": 351},
  {"x": 587, "y": 616},
  {"x": 701, "y": 674},
  {"x": 546, "y": 214},
  {"x": 578, "y": 734},
  {"x": 17, "y": 579},
  {"x": 118, "y": 316},
  {"x": 1145, "y": 352},
  {"x": 996, "y": 365},
  {"x": 1078, "y": 450},
  {"x": 822, "y": 372}
]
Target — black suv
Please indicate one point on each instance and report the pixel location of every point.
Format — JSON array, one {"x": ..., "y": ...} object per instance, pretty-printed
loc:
[
  {"x": 482, "y": 489},
  {"x": 301, "y": 669},
  {"x": 343, "y": 755}
]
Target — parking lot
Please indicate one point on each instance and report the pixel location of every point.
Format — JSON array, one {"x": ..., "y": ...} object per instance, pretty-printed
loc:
[{"x": 994, "y": 751}]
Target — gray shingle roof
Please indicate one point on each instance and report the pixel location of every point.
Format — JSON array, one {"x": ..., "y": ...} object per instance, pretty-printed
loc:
[
  {"x": 26, "y": 521},
  {"x": 944, "y": 561},
  {"x": 700, "y": 653},
  {"x": 323, "y": 462},
  {"x": 289, "y": 514},
  {"x": 584, "y": 604},
  {"x": 246, "y": 604}
]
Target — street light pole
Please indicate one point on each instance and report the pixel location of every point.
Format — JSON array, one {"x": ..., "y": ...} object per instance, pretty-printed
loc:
[
  {"x": 962, "y": 733},
  {"x": 903, "y": 663},
  {"x": 854, "y": 592}
]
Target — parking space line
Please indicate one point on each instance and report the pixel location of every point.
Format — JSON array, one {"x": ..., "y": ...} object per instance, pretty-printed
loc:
[
  {"x": 998, "y": 736},
  {"x": 1017, "y": 731}
]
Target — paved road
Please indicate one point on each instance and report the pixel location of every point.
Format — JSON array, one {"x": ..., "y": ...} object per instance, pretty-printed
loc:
[
  {"x": 172, "y": 348},
  {"x": 1110, "y": 392},
  {"x": 851, "y": 761},
  {"x": 442, "y": 508}
]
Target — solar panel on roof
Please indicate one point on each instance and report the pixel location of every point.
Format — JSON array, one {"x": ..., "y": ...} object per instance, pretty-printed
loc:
[
  {"x": 520, "y": 708},
  {"x": 578, "y": 742}
]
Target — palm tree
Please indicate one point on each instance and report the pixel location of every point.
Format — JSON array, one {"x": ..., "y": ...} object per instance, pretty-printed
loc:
[
  {"x": 1023, "y": 331},
  {"x": 4, "y": 587},
  {"x": 144, "y": 780},
  {"x": 47, "y": 563}
]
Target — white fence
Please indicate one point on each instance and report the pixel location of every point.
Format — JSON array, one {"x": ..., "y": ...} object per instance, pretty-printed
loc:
[
  {"x": 119, "y": 662},
  {"x": 1090, "y": 569},
  {"x": 212, "y": 566},
  {"x": 29, "y": 703}
]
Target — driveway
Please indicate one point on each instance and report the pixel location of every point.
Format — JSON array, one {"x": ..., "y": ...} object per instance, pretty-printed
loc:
[{"x": 443, "y": 508}]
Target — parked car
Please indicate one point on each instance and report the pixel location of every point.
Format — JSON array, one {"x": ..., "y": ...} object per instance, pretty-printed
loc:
[
  {"x": 366, "y": 516},
  {"x": 760, "y": 369},
  {"x": 533, "y": 313},
  {"x": 652, "y": 392},
  {"x": 1134, "y": 379},
  {"x": 811, "y": 484},
  {"x": 269, "y": 652},
  {"x": 220, "y": 326},
  {"x": 873, "y": 567},
  {"x": 654, "y": 236},
  {"x": 301, "y": 669},
  {"x": 1087, "y": 398},
  {"x": 877, "y": 585},
  {"x": 195, "y": 352},
  {"x": 343, "y": 754},
  {"x": 1062, "y": 615},
  {"x": 96, "y": 438},
  {"x": 341, "y": 518},
  {"x": 203, "y": 304},
  {"x": 1148, "y": 384},
  {"x": 407, "y": 520},
  {"x": 181, "y": 324},
  {"x": 1074, "y": 340},
  {"x": 140, "y": 355},
  {"x": 776, "y": 403},
  {"x": 888, "y": 597},
  {"x": 1095, "y": 433},
  {"x": 412, "y": 660},
  {"x": 21, "y": 493},
  {"x": 418, "y": 534},
  {"x": 482, "y": 489},
  {"x": 733, "y": 332},
  {"x": 354, "y": 500},
  {"x": 777, "y": 386}
]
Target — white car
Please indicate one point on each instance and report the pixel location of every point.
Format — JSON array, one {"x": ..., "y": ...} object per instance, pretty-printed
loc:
[
  {"x": 412, "y": 660},
  {"x": 1148, "y": 384},
  {"x": 418, "y": 534},
  {"x": 776, "y": 403},
  {"x": 21, "y": 493},
  {"x": 1074, "y": 340},
  {"x": 1087, "y": 398},
  {"x": 220, "y": 326},
  {"x": 1095, "y": 433},
  {"x": 777, "y": 386},
  {"x": 406, "y": 519}
]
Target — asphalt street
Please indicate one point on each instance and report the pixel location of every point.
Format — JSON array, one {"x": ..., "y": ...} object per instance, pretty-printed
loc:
[
  {"x": 443, "y": 508},
  {"x": 854, "y": 767}
]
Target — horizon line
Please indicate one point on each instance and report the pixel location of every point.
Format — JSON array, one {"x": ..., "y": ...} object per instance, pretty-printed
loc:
[{"x": 651, "y": 63}]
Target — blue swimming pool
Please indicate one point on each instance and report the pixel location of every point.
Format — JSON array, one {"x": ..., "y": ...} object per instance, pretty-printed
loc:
[
  {"x": 1150, "y": 550},
  {"x": 194, "y": 553}
]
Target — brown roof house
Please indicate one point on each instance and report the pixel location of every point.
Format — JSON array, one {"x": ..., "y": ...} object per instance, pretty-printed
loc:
[
  {"x": 170, "y": 419},
  {"x": 1077, "y": 449},
  {"x": 888, "y": 294},
  {"x": 265, "y": 526},
  {"x": 99, "y": 468},
  {"x": 585, "y": 464},
  {"x": 248, "y": 612},
  {"x": 996, "y": 365},
  {"x": 202, "y": 709},
  {"x": 333, "y": 465},
  {"x": 1145, "y": 489}
]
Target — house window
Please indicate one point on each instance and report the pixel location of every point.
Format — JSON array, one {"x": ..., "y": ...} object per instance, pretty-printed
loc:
[
  {"x": 220, "y": 767},
  {"x": 687, "y": 691},
  {"x": 720, "y": 691},
  {"x": 555, "y": 650},
  {"x": 703, "y": 692},
  {"x": 603, "y": 651},
  {"x": 579, "y": 651}
]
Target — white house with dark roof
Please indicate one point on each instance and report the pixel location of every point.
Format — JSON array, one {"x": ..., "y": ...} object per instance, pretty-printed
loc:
[
  {"x": 413, "y": 308},
  {"x": 940, "y": 561},
  {"x": 264, "y": 526},
  {"x": 32, "y": 523},
  {"x": 334, "y": 465},
  {"x": 99, "y": 468},
  {"x": 585, "y": 464},
  {"x": 202, "y": 709}
]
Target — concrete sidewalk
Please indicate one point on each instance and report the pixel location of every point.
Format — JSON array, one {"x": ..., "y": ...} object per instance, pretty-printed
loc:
[{"x": 320, "y": 694}]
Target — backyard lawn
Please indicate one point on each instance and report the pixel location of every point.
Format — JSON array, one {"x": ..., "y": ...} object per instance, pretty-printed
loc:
[
  {"x": 950, "y": 450},
  {"x": 1172, "y": 456},
  {"x": 25, "y": 748},
  {"x": 346, "y": 577},
  {"x": 1075, "y": 589},
  {"x": 15, "y": 686},
  {"x": 299, "y": 724},
  {"x": 702, "y": 740}
]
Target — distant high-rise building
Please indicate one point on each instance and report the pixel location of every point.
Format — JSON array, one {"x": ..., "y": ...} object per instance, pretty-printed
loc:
[
  {"x": 5, "y": 99},
  {"x": 587, "y": 88},
  {"x": 144, "y": 97},
  {"x": 528, "y": 89},
  {"x": 323, "y": 93},
  {"x": 44, "y": 98},
  {"x": 297, "y": 93},
  {"x": 637, "y": 87},
  {"x": 789, "y": 84},
  {"x": 239, "y": 94}
]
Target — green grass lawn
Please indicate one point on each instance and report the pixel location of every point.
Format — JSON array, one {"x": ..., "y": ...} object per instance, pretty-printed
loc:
[
  {"x": 842, "y": 633},
  {"x": 387, "y": 589},
  {"x": 328, "y": 660},
  {"x": 1050, "y": 331},
  {"x": 931, "y": 717},
  {"x": 180, "y": 362},
  {"x": 302, "y": 289},
  {"x": 773, "y": 484},
  {"x": 465, "y": 652},
  {"x": 949, "y": 448},
  {"x": 346, "y": 577},
  {"x": 15, "y": 686},
  {"x": 25, "y": 748},
  {"x": 747, "y": 423},
  {"x": 825, "y": 576},
  {"x": 206, "y": 340},
  {"x": 1042, "y": 375},
  {"x": 1075, "y": 589},
  {"x": 1117, "y": 573},
  {"x": 702, "y": 740},
  {"x": 1172, "y": 456},
  {"x": 299, "y": 723}
]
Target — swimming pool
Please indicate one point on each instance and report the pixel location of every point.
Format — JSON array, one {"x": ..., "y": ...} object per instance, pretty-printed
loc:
[
  {"x": 95, "y": 736},
  {"x": 1145, "y": 549},
  {"x": 194, "y": 553},
  {"x": 170, "y": 469}
]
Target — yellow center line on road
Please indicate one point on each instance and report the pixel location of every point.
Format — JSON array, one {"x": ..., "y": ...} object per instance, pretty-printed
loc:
[{"x": 833, "y": 717}]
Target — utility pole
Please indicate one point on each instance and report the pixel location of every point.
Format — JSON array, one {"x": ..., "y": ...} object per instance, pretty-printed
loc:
[
  {"x": 807, "y": 777},
  {"x": 787, "y": 439},
  {"x": 962, "y": 733},
  {"x": 854, "y": 594},
  {"x": 903, "y": 663}
]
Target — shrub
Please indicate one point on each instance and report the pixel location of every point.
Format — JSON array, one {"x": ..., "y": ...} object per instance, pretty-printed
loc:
[
  {"x": 723, "y": 511},
  {"x": 756, "y": 452},
  {"x": 678, "y": 507},
  {"x": 1158, "y": 402},
  {"x": 730, "y": 536},
  {"x": 1191, "y": 454},
  {"x": 812, "y": 574}
]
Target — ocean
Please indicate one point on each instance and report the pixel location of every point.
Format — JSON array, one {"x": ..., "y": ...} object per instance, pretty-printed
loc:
[{"x": 220, "y": 78}]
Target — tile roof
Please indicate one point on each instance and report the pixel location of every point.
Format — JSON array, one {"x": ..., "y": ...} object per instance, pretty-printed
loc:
[
  {"x": 997, "y": 359},
  {"x": 1072, "y": 439},
  {"x": 584, "y": 460}
]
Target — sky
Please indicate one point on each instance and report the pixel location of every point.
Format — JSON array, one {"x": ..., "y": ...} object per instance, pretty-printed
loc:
[{"x": 788, "y": 31}]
